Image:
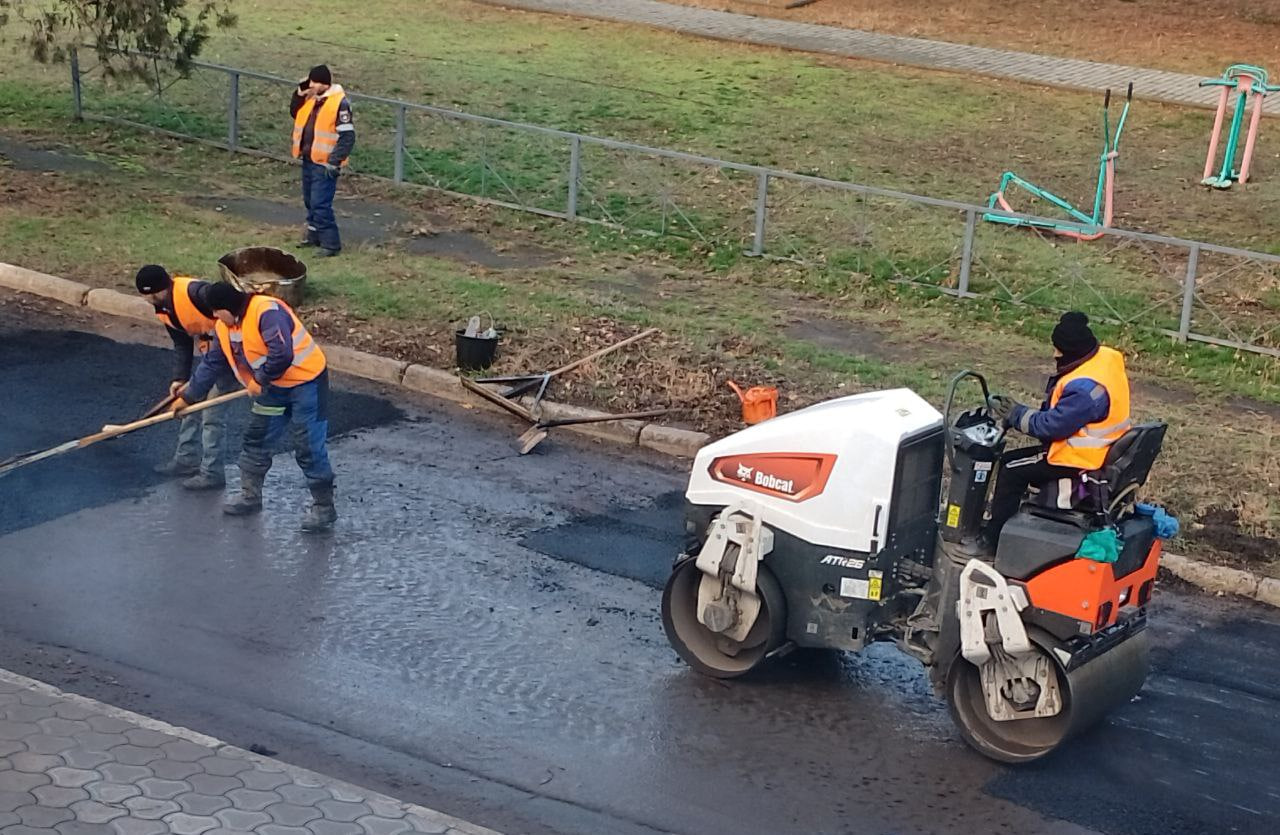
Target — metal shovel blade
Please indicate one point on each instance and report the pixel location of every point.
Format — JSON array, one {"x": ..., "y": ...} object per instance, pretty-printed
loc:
[{"x": 533, "y": 436}]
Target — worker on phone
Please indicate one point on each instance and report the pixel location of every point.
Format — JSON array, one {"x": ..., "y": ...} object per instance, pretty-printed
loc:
[{"x": 323, "y": 138}]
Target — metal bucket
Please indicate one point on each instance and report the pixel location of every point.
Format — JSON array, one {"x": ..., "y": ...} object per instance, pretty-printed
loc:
[{"x": 265, "y": 269}]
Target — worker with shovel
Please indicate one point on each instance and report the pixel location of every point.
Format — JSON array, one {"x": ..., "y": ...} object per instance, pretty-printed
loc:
[
  {"x": 181, "y": 306},
  {"x": 265, "y": 345}
]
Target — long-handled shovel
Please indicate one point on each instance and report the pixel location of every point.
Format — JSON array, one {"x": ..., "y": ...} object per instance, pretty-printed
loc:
[
  {"x": 526, "y": 383},
  {"x": 112, "y": 431},
  {"x": 158, "y": 408},
  {"x": 538, "y": 432}
]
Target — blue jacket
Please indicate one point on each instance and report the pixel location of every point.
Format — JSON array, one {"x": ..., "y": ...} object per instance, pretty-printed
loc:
[
  {"x": 276, "y": 328},
  {"x": 1083, "y": 401}
]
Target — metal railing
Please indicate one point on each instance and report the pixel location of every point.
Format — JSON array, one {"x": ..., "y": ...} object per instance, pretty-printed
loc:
[{"x": 1190, "y": 290}]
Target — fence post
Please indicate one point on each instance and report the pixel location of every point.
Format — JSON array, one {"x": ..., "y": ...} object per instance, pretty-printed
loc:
[
  {"x": 762, "y": 209},
  {"x": 575, "y": 174},
  {"x": 1189, "y": 292},
  {"x": 398, "y": 175},
  {"x": 233, "y": 112},
  {"x": 76, "y": 99},
  {"x": 966, "y": 256}
]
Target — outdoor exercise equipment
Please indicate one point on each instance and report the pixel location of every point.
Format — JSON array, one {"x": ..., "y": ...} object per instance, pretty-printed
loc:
[
  {"x": 1246, "y": 80},
  {"x": 1102, "y": 198}
]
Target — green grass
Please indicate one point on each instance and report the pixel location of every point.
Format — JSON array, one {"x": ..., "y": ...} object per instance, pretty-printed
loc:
[{"x": 938, "y": 134}]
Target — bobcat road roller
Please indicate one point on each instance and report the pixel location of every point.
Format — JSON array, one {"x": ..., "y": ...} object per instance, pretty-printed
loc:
[{"x": 829, "y": 528}]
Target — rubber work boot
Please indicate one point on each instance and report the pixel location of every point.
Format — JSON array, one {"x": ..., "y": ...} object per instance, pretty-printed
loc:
[
  {"x": 249, "y": 499},
  {"x": 175, "y": 468},
  {"x": 204, "y": 481},
  {"x": 322, "y": 514}
]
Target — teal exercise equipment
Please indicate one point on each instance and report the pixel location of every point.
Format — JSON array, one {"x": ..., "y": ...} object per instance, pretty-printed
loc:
[{"x": 1103, "y": 198}]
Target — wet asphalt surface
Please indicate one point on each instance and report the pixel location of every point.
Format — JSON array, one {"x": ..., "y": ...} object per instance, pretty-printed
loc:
[{"x": 481, "y": 635}]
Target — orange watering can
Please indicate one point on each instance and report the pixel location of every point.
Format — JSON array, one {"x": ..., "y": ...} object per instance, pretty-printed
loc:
[{"x": 758, "y": 402}]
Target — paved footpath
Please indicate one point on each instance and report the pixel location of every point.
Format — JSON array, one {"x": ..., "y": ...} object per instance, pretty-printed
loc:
[
  {"x": 1159, "y": 85},
  {"x": 73, "y": 766}
]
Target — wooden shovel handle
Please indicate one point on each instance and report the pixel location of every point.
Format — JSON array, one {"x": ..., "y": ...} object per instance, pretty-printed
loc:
[
  {"x": 126, "y": 428},
  {"x": 603, "y": 351}
]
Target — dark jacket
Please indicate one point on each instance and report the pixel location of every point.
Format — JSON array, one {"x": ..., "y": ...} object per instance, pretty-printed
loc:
[
  {"x": 183, "y": 342},
  {"x": 1083, "y": 401},
  {"x": 346, "y": 128},
  {"x": 277, "y": 331}
]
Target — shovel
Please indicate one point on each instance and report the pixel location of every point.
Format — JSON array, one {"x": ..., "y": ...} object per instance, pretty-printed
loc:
[
  {"x": 537, "y": 433},
  {"x": 113, "y": 431}
]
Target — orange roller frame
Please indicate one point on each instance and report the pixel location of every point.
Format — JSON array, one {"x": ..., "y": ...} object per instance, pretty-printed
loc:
[{"x": 1080, "y": 588}]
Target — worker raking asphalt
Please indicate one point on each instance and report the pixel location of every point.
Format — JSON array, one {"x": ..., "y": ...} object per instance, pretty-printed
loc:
[{"x": 95, "y": 392}]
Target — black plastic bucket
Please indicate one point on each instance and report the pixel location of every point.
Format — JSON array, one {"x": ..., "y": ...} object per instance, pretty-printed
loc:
[{"x": 475, "y": 353}]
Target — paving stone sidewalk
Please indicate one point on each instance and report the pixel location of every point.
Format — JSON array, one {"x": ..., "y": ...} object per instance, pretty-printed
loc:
[
  {"x": 1158, "y": 85},
  {"x": 72, "y": 766}
]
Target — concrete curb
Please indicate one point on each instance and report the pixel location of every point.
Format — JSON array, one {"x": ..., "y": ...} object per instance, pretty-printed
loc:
[
  {"x": 363, "y": 364},
  {"x": 434, "y": 382},
  {"x": 28, "y": 281},
  {"x": 1221, "y": 579},
  {"x": 451, "y": 824},
  {"x": 119, "y": 304}
]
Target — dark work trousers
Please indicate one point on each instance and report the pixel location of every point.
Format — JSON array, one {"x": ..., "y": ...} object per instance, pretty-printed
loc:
[
  {"x": 318, "y": 189},
  {"x": 1020, "y": 469},
  {"x": 303, "y": 409}
]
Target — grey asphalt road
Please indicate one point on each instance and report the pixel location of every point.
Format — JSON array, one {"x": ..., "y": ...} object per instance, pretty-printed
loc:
[{"x": 481, "y": 635}]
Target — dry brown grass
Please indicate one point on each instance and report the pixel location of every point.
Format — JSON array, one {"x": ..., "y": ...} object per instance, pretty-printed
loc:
[{"x": 1185, "y": 35}]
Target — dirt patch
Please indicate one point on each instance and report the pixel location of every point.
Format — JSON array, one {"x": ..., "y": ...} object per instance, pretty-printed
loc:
[
  {"x": 1245, "y": 404},
  {"x": 1153, "y": 392},
  {"x": 659, "y": 372},
  {"x": 366, "y": 222},
  {"x": 845, "y": 337},
  {"x": 464, "y": 246},
  {"x": 36, "y": 191},
  {"x": 1220, "y": 529},
  {"x": 360, "y": 222},
  {"x": 25, "y": 157}
]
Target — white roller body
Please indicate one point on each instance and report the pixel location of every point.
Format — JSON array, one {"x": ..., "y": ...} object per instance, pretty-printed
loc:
[{"x": 862, "y": 432}]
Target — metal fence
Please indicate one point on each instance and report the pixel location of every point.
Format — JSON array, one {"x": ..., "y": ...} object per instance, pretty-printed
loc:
[{"x": 1191, "y": 290}]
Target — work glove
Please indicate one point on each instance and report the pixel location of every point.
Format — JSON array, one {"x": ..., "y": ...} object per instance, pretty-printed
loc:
[
  {"x": 176, "y": 387},
  {"x": 178, "y": 405},
  {"x": 331, "y": 170},
  {"x": 254, "y": 388},
  {"x": 1002, "y": 408}
]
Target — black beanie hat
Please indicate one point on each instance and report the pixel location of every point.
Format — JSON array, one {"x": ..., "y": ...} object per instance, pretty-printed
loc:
[
  {"x": 222, "y": 296},
  {"x": 152, "y": 278},
  {"x": 320, "y": 74},
  {"x": 1073, "y": 337}
]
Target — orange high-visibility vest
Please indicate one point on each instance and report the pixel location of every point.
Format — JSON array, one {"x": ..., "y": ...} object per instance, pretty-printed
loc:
[
  {"x": 190, "y": 319},
  {"x": 325, "y": 138},
  {"x": 1087, "y": 449},
  {"x": 308, "y": 360}
]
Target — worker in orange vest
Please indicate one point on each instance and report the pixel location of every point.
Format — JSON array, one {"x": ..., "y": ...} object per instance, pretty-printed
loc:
[
  {"x": 181, "y": 306},
  {"x": 323, "y": 138},
  {"x": 265, "y": 345},
  {"x": 1086, "y": 409}
]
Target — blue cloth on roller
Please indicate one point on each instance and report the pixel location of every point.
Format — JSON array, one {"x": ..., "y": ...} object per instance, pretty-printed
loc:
[
  {"x": 1100, "y": 546},
  {"x": 1166, "y": 525}
]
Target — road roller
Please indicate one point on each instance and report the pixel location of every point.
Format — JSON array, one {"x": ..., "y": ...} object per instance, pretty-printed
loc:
[{"x": 834, "y": 527}]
